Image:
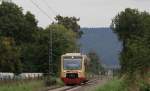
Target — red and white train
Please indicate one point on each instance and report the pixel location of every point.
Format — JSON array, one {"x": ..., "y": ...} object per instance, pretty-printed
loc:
[{"x": 74, "y": 68}]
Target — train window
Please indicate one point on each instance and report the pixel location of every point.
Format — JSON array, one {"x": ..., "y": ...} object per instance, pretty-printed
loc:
[{"x": 72, "y": 64}]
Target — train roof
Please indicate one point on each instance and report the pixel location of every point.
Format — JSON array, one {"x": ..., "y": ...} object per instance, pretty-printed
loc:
[
  {"x": 78, "y": 54},
  {"x": 72, "y": 54}
]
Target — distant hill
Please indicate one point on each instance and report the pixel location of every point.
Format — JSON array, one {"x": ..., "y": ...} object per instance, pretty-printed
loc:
[{"x": 104, "y": 42}]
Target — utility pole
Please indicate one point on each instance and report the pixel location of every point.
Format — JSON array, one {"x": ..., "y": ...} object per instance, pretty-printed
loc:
[{"x": 50, "y": 51}]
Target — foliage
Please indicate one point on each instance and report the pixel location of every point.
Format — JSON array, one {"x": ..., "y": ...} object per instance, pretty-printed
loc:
[
  {"x": 133, "y": 29},
  {"x": 63, "y": 40},
  {"x": 15, "y": 24},
  {"x": 19, "y": 28},
  {"x": 27, "y": 48},
  {"x": 95, "y": 63},
  {"x": 52, "y": 80},
  {"x": 127, "y": 23},
  {"x": 144, "y": 86},
  {"x": 70, "y": 23},
  {"x": 9, "y": 56},
  {"x": 35, "y": 56}
]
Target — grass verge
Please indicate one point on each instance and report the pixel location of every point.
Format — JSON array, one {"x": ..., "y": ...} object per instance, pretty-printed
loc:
[
  {"x": 35, "y": 85},
  {"x": 114, "y": 85}
]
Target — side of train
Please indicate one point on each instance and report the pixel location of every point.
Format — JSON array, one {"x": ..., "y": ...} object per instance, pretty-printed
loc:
[{"x": 74, "y": 68}]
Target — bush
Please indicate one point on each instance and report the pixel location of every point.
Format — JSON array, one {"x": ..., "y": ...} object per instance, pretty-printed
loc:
[
  {"x": 49, "y": 81},
  {"x": 144, "y": 86}
]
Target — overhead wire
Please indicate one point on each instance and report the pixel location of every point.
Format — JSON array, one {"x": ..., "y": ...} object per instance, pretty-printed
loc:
[
  {"x": 45, "y": 13},
  {"x": 48, "y": 6}
]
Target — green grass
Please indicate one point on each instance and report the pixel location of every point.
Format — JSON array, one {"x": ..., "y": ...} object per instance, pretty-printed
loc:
[
  {"x": 49, "y": 81},
  {"x": 114, "y": 85},
  {"x": 23, "y": 86}
]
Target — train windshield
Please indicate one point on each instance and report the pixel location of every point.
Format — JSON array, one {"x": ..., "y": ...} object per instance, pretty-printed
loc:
[{"x": 72, "y": 64}]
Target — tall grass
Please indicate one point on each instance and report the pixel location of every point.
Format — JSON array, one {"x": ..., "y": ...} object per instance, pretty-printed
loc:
[
  {"x": 35, "y": 85},
  {"x": 50, "y": 81},
  {"x": 114, "y": 85}
]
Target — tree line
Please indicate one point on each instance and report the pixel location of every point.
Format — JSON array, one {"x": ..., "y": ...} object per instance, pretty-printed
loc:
[
  {"x": 24, "y": 46},
  {"x": 133, "y": 30}
]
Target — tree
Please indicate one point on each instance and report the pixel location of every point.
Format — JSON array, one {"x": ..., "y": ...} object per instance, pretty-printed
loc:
[
  {"x": 30, "y": 18},
  {"x": 133, "y": 29},
  {"x": 29, "y": 44},
  {"x": 22, "y": 29},
  {"x": 35, "y": 57},
  {"x": 95, "y": 65},
  {"x": 63, "y": 41},
  {"x": 9, "y": 56},
  {"x": 71, "y": 23},
  {"x": 15, "y": 24}
]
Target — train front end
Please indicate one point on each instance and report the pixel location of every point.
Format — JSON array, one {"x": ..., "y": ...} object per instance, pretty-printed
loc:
[{"x": 72, "y": 68}]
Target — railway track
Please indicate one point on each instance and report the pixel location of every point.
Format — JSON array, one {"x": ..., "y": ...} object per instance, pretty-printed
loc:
[{"x": 75, "y": 88}]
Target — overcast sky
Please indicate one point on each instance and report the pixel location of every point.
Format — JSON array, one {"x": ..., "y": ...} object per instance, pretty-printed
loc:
[{"x": 92, "y": 13}]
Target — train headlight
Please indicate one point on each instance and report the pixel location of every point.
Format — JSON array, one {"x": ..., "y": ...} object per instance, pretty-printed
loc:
[
  {"x": 72, "y": 57},
  {"x": 64, "y": 73},
  {"x": 79, "y": 73}
]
